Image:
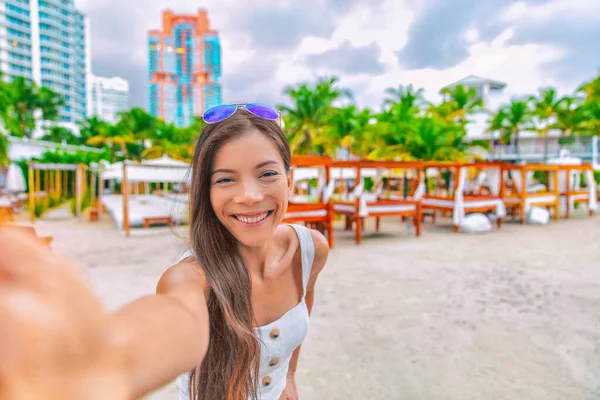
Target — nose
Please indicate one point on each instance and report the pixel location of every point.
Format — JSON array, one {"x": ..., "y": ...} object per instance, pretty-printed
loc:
[{"x": 249, "y": 193}]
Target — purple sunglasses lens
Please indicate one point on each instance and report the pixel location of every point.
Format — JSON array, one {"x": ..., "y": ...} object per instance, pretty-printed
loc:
[
  {"x": 218, "y": 113},
  {"x": 263, "y": 111}
]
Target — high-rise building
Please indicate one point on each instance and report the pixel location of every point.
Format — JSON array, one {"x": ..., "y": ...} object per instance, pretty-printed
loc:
[
  {"x": 109, "y": 97},
  {"x": 184, "y": 67},
  {"x": 47, "y": 41}
]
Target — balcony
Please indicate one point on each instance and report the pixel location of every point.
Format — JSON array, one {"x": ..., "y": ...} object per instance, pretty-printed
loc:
[
  {"x": 56, "y": 67},
  {"x": 18, "y": 50},
  {"x": 19, "y": 28},
  {"x": 54, "y": 11},
  {"x": 15, "y": 60},
  {"x": 17, "y": 5},
  {"x": 55, "y": 26},
  {"x": 54, "y": 45},
  {"x": 53, "y": 36}
]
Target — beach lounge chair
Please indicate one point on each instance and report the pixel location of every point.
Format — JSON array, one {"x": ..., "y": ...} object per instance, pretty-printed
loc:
[
  {"x": 360, "y": 204},
  {"x": 462, "y": 196},
  {"x": 520, "y": 192}
]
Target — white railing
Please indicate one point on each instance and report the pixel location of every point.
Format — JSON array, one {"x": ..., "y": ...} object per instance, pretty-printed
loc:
[{"x": 539, "y": 149}]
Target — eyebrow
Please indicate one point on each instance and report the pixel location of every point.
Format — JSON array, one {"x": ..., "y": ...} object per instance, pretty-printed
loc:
[{"x": 258, "y": 166}]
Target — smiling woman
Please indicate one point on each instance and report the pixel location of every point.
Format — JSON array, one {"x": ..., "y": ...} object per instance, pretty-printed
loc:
[
  {"x": 236, "y": 306},
  {"x": 240, "y": 187}
]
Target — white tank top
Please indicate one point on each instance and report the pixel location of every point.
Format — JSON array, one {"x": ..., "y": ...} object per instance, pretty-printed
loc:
[{"x": 280, "y": 338}]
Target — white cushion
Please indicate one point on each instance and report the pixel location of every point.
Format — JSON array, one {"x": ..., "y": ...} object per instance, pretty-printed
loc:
[
  {"x": 475, "y": 223},
  {"x": 304, "y": 214},
  {"x": 538, "y": 215}
]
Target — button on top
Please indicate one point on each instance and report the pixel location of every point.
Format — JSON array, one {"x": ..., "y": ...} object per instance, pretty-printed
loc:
[
  {"x": 266, "y": 381},
  {"x": 275, "y": 333},
  {"x": 273, "y": 362}
]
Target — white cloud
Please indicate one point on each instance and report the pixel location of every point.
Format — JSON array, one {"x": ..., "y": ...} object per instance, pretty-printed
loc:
[{"x": 255, "y": 71}]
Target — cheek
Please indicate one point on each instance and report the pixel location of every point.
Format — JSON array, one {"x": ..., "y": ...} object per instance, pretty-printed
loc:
[{"x": 217, "y": 202}]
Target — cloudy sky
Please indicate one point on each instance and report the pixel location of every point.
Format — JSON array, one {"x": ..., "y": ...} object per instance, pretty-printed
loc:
[{"x": 369, "y": 44}]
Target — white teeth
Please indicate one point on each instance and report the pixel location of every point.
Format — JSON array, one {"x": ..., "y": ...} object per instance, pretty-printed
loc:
[{"x": 252, "y": 220}]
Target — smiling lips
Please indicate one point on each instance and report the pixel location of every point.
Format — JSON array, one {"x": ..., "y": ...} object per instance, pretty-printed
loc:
[{"x": 253, "y": 219}]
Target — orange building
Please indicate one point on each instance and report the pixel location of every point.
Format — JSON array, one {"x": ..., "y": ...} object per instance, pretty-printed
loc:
[{"x": 184, "y": 68}]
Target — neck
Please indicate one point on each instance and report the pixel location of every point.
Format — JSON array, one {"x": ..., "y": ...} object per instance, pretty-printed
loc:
[{"x": 258, "y": 259}]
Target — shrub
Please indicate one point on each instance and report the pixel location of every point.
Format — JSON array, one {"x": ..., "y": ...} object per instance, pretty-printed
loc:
[{"x": 39, "y": 210}]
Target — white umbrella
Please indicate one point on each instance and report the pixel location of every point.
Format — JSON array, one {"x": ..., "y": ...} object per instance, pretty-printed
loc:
[{"x": 15, "y": 181}]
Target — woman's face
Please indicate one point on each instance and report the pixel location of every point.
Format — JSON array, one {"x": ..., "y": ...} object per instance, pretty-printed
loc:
[{"x": 249, "y": 188}]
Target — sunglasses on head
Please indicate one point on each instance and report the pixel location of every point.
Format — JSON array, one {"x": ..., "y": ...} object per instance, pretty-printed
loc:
[{"x": 224, "y": 111}]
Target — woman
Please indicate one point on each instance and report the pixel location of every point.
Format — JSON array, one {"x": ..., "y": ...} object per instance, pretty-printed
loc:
[{"x": 230, "y": 316}]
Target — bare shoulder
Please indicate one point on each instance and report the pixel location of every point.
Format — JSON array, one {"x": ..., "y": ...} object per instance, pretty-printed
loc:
[
  {"x": 187, "y": 273},
  {"x": 321, "y": 251},
  {"x": 320, "y": 259}
]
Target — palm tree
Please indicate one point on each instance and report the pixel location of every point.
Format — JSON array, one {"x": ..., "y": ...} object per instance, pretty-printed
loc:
[
  {"x": 345, "y": 128},
  {"x": 591, "y": 116},
  {"x": 311, "y": 106},
  {"x": 544, "y": 111},
  {"x": 19, "y": 103},
  {"x": 406, "y": 96},
  {"x": 4, "y": 97},
  {"x": 49, "y": 103},
  {"x": 545, "y": 108},
  {"x": 433, "y": 140},
  {"x": 4, "y": 160},
  {"x": 571, "y": 116},
  {"x": 114, "y": 139},
  {"x": 138, "y": 124},
  {"x": 22, "y": 102},
  {"x": 400, "y": 110},
  {"x": 510, "y": 120},
  {"x": 91, "y": 127},
  {"x": 591, "y": 89},
  {"x": 460, "y": 103},
  {"x": 59, "y": 134}
]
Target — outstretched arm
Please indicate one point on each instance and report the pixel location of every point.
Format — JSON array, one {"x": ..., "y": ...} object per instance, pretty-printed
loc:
[
  {"x": 164, "y": 335},
  {"x": 57, "y": 341}
]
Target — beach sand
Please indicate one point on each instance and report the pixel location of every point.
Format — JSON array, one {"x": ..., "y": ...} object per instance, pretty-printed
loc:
[{"x": 510, "y": 314}]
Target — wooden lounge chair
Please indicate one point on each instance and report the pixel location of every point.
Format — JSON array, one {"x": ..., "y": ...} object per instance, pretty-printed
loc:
[
  {"x": 520, "y": 193},
  {"x": 463, "y": 196},
  {"x": 361, "y": 205}
]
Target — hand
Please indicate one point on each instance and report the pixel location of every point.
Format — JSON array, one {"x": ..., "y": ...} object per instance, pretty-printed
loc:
[
  {"x": 290, "y": 392},
  {"x": 54, "y": 334}
]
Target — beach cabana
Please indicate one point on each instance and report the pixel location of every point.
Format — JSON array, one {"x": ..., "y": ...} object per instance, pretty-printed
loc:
[
  {"x": 521, "y": 191},
  {"x": 360, "y": 204},
  {"x": 464, "y": 188},
  {"x": 47, "y": 179},
  {"x": 314, "y": 210},
  {"x": 576, "y": 183},
  {"x": 571, "y": 190},
  {"x": 135, "y": 206}
]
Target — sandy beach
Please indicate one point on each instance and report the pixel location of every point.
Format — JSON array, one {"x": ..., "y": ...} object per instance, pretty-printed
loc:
[{"x": 510, "y": 314}]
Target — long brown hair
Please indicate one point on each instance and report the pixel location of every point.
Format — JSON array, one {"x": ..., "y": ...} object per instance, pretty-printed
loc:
[{"x": 230, "y": 368}]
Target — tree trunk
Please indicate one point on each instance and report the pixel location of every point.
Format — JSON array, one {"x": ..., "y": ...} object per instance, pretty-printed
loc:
[
  {"x": 308, "y": 141},
  {"x": 517, "y": 152}
]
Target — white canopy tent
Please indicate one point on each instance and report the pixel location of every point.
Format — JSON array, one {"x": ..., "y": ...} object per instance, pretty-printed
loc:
[
  {"x": 162, "y": 170},
  {"x": 15, "y": 180}
]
